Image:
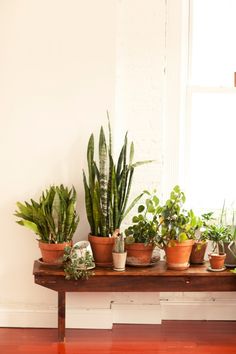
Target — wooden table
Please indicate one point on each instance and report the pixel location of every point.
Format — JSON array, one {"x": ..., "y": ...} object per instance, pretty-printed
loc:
[{"x": 154, "y": 278}]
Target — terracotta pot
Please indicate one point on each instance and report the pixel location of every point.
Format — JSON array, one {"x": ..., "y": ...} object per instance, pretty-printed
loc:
[
  {"x": 178, "y": 254},
  {"x": 217, "y": 260},
  {"x": 198, "y": 252},
  {"x": 138, "y": 254},
  {"x": 119, "y": 260},
  {"x": 102, "y": 250},
  {"x": 52, "y": 253}
]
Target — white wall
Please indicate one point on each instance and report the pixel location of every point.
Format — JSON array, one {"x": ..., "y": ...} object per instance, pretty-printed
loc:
[{"x": 62, "y": 65}]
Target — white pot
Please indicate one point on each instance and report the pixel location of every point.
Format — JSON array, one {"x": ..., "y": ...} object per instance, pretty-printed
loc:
[{"x": 119, "y": 260}]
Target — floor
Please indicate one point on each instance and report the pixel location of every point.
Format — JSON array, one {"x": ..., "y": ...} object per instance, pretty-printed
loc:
[{"x": 171, "y": 337}]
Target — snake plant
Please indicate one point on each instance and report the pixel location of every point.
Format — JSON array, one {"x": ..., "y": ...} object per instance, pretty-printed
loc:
[
  {"x": 108, "y": 184},
  {"x": 53, "y": 218}
]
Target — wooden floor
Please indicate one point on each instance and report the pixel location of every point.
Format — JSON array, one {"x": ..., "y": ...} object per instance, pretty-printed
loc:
[{"x": 172, "y": 337}]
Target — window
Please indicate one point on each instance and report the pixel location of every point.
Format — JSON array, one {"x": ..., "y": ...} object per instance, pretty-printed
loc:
[{"x": 209, "y": 176}]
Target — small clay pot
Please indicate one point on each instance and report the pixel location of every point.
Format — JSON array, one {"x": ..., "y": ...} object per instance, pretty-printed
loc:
[{"x": 217, "y": 260}]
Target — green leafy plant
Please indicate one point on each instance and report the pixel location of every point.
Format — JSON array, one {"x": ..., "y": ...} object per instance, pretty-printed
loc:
[
  {"x": 217, "y": 234},
  {"x": 119, "y": 244},
  {"x": 146, "y": 223},
  {"x": 177, "y": 224},
  {"x": 227, "y": 218},
  {"x": 108, "y": 185},
  {"x": 53, "y": 218},
  {"x": 76, "y": 267}
]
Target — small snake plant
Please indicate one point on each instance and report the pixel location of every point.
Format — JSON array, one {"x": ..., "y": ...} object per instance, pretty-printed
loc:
[{"x": 53, "y": 218}]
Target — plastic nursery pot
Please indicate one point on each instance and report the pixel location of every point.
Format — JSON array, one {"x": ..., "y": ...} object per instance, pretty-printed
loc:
[
  {"x": 198, "y": 252},
  {"x": 119, "y": 260},
  {"x": 52, "y": 253},
  {"x": 217, "y": 260},
  {"x": 138, "y": 254},
  {"x": 102, "y": 250},
  {"x": 178, "y": 254},
  {"x": 230, "y": 251}
]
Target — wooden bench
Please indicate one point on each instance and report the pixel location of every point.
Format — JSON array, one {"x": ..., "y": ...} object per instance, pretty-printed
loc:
[{"x": 150, "y": 279}]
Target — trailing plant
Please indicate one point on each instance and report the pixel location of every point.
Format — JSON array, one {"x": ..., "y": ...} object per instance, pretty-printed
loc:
[
  {"x": 119, "y": 244},
  {"x": 77, "y": 266},
  {"x": 53, "y": 218},
  {"x": 108, "y": 184},
  {"x": 146, "y": 223},
  {"x": 177, "y": 224}
]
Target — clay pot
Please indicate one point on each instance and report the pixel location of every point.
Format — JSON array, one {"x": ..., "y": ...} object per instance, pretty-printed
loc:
[
  {"x": 198, "y": 252},
  {"x": 102, "y": 250},
  {"x": 52, "y": 253},
  {"x": 178, "y": 254},
  {"x": 217, "y": 260},
  {"x": 119, "y": 260},
  {"x": 138, "y": 254}
]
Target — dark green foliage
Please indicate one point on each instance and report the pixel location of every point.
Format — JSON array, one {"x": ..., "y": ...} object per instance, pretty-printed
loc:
[
  {"x": 107, "y": 188},
  {"x": 146, "y": 223},
  {"x": 53, "y": 218}
]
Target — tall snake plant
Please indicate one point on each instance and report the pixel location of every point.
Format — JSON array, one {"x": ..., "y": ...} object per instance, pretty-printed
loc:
[
  {"x": 53, "y": 218},
  {"x": 108, "y": 185}
]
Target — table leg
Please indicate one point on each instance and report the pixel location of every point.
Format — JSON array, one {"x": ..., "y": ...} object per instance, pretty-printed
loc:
[{"x": 61, "y": 315}]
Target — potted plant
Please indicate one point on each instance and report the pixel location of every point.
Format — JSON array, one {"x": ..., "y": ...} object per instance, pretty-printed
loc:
[
  {"x": 142, "y": 236},
  {"x": 177, "y": 231},
  {"x": 227, "y": 218},
  {"x": 200, "y": 244},
  {"x": 119, "y": 254},
  {"x": 53, "y": 219},
  {"x": 107, "y": 189},
  {"x": 217, "y": 234},
  {"x": 78, "y": 261}
]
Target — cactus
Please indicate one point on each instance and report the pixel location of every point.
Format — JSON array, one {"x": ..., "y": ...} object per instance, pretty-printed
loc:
[{"x": 119, "y": 244}]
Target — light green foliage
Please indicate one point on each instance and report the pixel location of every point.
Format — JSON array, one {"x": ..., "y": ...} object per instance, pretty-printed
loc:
[
  {"x": 146, "y": 223},
  {"x": 217, "y": 234},
  {"x": 53, "y": 218},
  {"x": 77, "y": 267},
  {"x": 178, "y": 224},
  {"x": 107, "y": 186},
  {"x": 227, "y": 218},
  {"x": 119, "y": 245}
]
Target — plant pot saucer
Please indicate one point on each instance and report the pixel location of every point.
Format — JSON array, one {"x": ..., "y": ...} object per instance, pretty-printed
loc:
[
  {"x": 216, "y": 270},
  {"x": 40, "y": 260},
  {"x": 88, "y": 268},
  {"x": 230, "y": 265}
]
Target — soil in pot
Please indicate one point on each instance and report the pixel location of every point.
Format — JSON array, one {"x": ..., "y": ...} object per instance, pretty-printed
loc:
[
  {"x": 102, "y": 250},
  {"x": 139, "y": 255}
]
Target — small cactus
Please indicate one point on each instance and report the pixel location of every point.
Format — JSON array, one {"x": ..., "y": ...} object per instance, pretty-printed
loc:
[{"x": 119, "y": 245}]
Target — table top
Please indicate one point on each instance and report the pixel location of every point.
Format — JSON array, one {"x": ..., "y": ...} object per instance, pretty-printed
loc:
[
  {"x": 158, "y": 269},
  {"x": 153, "y": 278}
]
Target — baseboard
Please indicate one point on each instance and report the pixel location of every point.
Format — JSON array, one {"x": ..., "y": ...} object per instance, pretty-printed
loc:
[{"x": 120, "y": 313}]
